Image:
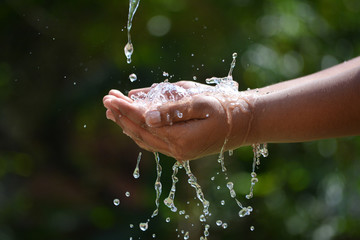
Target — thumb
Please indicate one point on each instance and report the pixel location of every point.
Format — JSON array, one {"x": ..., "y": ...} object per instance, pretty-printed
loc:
[{"x": 181, "y": 111}]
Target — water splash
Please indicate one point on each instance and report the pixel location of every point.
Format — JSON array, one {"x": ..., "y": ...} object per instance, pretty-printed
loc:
[
  {"x": 129, "y": 49},
  {"x": 226, "y": 83}
]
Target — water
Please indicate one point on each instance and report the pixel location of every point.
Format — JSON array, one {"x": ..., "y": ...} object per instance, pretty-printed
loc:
[
  {"x": 165, "y": 92},
  {"x": 169, "y": 201},
  {"x": 258, "y": 150},
  {"x": 252, "y": 228},
  {"x": 136, "y": 173},
  {"x": 127, "y": 194},
  {"x": 116, "y": 202},
  {"x": 158, "y": 186},
  {"x": 129, "y": 48},
  {"x": 144, "y": 226},
  {"x": 132, "y": 77},
  {"x": 199, "y": 193}
]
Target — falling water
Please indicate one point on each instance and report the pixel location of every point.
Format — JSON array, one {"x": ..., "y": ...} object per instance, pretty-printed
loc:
[
  {"x": 158, "y": 186},
  {"x": 129, "y": 48},
  {"x": 169, "y": 201},
  {"x": 136, "y": 172}
]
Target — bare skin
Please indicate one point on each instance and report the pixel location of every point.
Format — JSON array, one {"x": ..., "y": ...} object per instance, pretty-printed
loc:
[{"x": 322, "y": 105}]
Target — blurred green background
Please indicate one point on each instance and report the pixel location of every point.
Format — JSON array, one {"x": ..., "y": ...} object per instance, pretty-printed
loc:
[{"x": 62, "y": 162}]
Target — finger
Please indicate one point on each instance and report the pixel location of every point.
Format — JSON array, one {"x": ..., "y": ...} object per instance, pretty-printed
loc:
[
  {"x": 110, "y": 115},
  {"x": 132, "y": 111},
  {"x": 142, "y": 136},
  {"x": 119, "y": 94},
  {"x": 191, "y": 108}
]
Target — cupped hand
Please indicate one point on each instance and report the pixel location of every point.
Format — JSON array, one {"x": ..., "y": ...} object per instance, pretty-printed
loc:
[{"x": 187, "y": 129}]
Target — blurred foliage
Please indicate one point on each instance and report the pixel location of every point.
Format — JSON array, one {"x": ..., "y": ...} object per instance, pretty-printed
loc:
[{"x": 62, "y": 163}]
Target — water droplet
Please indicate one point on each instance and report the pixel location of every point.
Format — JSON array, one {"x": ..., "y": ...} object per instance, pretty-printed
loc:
[
  {"x": 53, "y": 39},
  {"x": 224, "y": 225},
  {"x": 187, "y": 216},
  {"x": 194, "y": 78},
  {"x": 74, "y": 83},
  {"x": 207, "y": 115},
  {"x": 249, "y": 196},
  {"x": 218, "y": 187},
  {"x": 202, "y": 218},
  {"x": 230, "y": 185},
  {"x": 143, "y": 226},
  {"x": 212, "y": 178},
  {"x": 244, "y": 212},
  {"x": 222, "y": 202},
  {"x": 253, "y": 174},
  {"x": 252, "y": 228},
  {"x": 219, "y": 222},
  {"x": 136, "y": 172},
  {"x": 165, "y": 74},
  {"x": 128, "y": 50},
  {"x": 234, "y": 55},
  {"x": 206, "y": 231},
  {"x": 154, "y": 235},
  {"x": 186, "y": 236},
  {"x": 167, "y": 219},
  {"x": 132, "y": 77},
  {"x": 131, "y": 225},
  {"x": 181, "y": 212},
  {"x": 254, "y": 180},
  {"x": 192, "y": 54},
  {"x": 116, "y": 202},
  {"x": 179, "y": 114},
  {"x": 127, "y": 194}
]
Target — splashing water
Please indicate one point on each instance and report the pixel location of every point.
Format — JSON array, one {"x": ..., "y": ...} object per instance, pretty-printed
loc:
[
  {"x": 129, "y": 49},
  {"x": 136, "y": 172},
  {"x": 165, "y": 92}
]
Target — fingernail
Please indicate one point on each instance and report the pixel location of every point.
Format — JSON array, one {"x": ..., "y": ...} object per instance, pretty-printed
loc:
[{"x": 152, "y": 118}]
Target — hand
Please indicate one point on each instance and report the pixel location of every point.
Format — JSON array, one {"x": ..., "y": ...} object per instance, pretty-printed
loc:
[{"x": 190, "y": 128}]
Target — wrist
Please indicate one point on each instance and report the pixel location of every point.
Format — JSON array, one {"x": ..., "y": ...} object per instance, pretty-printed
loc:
[{"x": 240, "y": 115}]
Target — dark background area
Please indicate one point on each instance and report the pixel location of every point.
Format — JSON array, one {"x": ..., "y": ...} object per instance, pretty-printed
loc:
[{"x": 62, "y": 162}]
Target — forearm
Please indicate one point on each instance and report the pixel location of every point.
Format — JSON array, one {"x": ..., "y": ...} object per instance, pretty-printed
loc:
[{"x": 321, "y": 105}]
